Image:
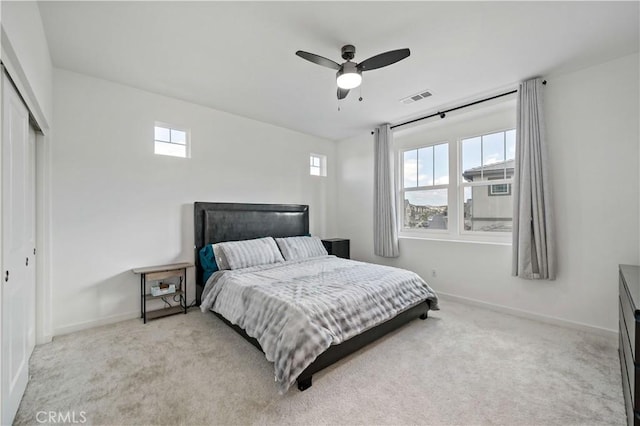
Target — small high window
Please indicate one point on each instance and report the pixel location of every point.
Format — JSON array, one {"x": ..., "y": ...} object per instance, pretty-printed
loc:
[
  {"x": 170, "y": 140},
  {"x": 317, "y": 165}
]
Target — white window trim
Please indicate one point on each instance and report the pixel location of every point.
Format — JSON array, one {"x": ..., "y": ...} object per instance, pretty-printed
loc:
[
  {"x": 412, "y": 232},
  {"x": 478, "y": 235},
  {"x": 187, "y": 143},
  {"x": 506, "y": 185},
  {"x": 323, "y": 164},
  {"x": 455, "y": 231}
]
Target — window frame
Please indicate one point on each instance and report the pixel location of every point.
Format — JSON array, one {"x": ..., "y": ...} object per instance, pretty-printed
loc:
[
  {"x": 170, "y": 127},
  {"x": 499, "y": 194},
  {"x": 322, "y": 168},
  {"x": 462, "y": 184},
  {"x": 455, "y": 187},
  {"x": 401, "y": 190},
  {"x": 497, "y": 116}
]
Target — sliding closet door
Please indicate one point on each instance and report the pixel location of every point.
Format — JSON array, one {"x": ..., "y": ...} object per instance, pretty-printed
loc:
[
  {"x": 30, "y": 236},
  {"x": 18, "y": 242}
]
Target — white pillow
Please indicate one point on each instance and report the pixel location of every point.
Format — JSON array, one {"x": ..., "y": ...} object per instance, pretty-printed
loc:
[
  {"x": 243, "y": 254},
  {"x": 221, "y": 259},
  {"x": 301, "y": 247}
]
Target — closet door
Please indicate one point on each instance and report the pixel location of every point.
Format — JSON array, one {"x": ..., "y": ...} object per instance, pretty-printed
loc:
[
  {"x": 18, "y": 266},
  {"x": 30, "y": 217}
]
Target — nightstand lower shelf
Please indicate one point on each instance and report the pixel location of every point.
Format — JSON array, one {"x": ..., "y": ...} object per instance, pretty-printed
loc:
[{"x": 159, "y": 313}]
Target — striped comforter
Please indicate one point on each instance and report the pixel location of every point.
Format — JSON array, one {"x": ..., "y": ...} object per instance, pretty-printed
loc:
[{"x": 297, "y": 309}]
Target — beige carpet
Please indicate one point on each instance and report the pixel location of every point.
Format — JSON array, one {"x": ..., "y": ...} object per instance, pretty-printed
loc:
[{"x": 464, "y": 365}]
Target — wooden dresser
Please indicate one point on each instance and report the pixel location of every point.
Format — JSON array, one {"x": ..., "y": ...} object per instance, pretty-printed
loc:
[{"x": 629, "y": 345}]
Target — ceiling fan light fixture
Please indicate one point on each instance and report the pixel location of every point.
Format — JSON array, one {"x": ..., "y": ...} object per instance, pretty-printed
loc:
[{"x": 348, "y": 76}]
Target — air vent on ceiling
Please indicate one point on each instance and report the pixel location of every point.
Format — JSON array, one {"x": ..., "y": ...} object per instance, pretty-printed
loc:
[{"x": 417, "y": 97}]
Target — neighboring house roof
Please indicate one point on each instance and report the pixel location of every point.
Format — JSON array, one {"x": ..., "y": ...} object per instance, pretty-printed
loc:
[{"x": 491, "y": 170}]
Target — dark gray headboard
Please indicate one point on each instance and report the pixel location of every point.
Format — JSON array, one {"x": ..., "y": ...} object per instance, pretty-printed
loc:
[{"x": 218, "y": 222}]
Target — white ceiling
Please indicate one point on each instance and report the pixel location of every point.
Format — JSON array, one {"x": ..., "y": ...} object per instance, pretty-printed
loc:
[{"x": 239, "y": 56}]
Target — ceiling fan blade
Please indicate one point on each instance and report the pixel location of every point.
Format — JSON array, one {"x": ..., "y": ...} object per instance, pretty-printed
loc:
[
  {"x": 383, "y": 59},
  {"x": 342, "y": 93},
  {"x": 312, "y": 57}
]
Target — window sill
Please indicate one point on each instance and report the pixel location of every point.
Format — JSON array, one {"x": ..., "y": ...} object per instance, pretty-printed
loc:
[{"x": 472, "y": 239}]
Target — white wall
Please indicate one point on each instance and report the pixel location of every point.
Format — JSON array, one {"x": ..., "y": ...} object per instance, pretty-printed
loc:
[
  {"x": 592, "y": 130},
  {"x": 26, "y": 55},
  {"x": 116, "y": 205}
]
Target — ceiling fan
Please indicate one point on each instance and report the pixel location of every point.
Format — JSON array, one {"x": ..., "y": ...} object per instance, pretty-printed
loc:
[{"x": 349, "y": 74}]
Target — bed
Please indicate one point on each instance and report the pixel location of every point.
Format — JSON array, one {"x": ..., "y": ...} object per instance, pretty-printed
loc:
[{"x": 225, "y": 222}]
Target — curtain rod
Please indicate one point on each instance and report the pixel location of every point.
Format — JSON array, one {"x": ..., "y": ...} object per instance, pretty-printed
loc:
[{"x": 442, "y": 114}]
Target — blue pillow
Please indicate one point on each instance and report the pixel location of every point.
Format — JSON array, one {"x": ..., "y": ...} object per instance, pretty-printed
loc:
[{"x": 208, "y": 262}]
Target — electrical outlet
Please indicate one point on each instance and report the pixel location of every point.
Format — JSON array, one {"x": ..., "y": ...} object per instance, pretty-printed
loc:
[{"x": 434, "y": 273}]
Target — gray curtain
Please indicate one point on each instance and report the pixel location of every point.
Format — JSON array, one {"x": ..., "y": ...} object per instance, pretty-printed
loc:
[
  {"x": 533, "y": 233},
  {"x": 385, "y": 233}
]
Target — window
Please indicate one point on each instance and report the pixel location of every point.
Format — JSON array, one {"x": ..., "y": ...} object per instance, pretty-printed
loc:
[
  {"x": 169, "y": 140},
  {"x": 425, "y": 189},
  {"x": 318, "y": 165},
  {"x": 454, "y": 177},
  {"x": 500, "y": 189},
  {"x": 487, "y": 167}
]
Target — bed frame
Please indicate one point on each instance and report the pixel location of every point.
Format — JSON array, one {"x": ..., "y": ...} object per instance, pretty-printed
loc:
[{"x": 218, "y": 222}]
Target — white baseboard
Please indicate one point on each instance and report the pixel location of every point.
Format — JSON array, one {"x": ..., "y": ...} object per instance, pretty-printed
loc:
[
  {"x": 70, "y": 328},
  {"x": 47, "y": 338},
  {"x": 611, "y": 334},
  {"x": 605, "y": 332}
]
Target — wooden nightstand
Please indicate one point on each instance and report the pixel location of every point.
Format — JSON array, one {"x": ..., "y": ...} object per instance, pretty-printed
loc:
[
  {"x": 337, "y": 246},
  {"x": 176, "y": 272}
]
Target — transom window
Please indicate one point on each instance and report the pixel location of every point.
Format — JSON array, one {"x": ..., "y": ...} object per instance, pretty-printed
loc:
[
  {"x": 317, "y": 165},
  {"x": 170, "y": 140}
]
